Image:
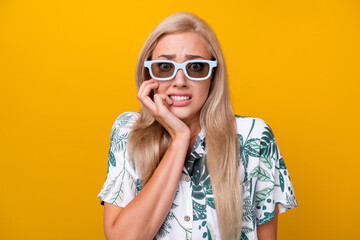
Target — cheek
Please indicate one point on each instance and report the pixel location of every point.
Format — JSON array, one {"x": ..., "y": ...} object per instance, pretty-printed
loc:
[
  {"x": 206, "y": 89},
  {"x": 162, "y": 87},
  {"x": 204, "y": 92}
]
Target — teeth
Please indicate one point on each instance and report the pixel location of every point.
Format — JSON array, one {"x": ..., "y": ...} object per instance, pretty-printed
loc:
[{"x": 179, "y": 98}]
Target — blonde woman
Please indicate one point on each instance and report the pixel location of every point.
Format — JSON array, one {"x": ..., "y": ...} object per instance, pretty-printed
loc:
[{"x": 186, "y": 167}]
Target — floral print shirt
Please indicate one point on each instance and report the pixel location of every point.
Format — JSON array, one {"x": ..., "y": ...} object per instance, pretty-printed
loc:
[{"x": 265, "y": 182}]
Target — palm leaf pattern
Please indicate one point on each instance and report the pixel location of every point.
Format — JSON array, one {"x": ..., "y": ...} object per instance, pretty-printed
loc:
[
  {"x": 265, "y": 181},
  {"x": 268, "y": 144},
  {"x": 118, "y": 141},
  {"x": 249, "y": 148}
]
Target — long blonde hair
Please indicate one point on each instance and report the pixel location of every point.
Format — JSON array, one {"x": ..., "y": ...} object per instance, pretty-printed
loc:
[{"x": 148, "y": 140}]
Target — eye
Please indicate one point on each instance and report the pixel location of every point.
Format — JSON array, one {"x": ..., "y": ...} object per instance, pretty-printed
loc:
[
  {"x": 165, "y": 66},
  {"x": 195, "y": 66}
]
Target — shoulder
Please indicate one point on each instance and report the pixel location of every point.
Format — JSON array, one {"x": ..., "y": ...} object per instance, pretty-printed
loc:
[
  {"x": 123, "y": 124},
  {"x": 251, "y": 126},
  {"x": 120, "y": 185},
  {"x": 126, "y": 120}
]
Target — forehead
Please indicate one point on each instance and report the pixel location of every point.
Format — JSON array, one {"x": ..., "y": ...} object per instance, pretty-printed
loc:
[{"x": 181, "y": 44}]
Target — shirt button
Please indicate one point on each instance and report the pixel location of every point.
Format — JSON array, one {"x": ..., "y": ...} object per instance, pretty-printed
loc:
[
  {"x": 187, "y": 218},
  {"x": 187, "y": 179}
]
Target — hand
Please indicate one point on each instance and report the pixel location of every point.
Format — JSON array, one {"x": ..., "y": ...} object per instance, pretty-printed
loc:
[{"x": 159, "y": 109}]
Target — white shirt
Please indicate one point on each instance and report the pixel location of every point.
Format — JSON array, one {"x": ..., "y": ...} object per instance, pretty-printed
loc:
[{"x": 264, "y": 177}]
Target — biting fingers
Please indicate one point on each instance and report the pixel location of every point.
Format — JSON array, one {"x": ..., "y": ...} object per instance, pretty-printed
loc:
[{"x": 161, "y": 98}]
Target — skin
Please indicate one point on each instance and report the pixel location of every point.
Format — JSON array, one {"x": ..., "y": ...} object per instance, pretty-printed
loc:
[
  {"x": 181, "y": 47},
  {"x": 145, "y": 214},
  {"x": 268, "y": 230}
]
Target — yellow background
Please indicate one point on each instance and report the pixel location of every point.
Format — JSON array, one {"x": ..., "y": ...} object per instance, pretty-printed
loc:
[{"x": 67, "y": 71}]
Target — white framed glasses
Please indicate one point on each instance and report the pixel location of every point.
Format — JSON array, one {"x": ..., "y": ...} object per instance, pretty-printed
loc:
[{"x": 164, "y": 70}]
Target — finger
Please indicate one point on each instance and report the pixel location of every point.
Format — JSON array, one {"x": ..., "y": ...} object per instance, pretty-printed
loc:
[
  {"x": 162, "y": 99},
  {"x": 144, "y": 84},
  {"x": 149, "y": 104},
  {"x": 145, "y": 87},
  {"x": 166, "y": 98},
  {"x": 145, "y": 91},
  {"x": 159, "y": 101},
  {"x": 162, "y": 106},
  {"x": 167, "y": 119},
  {"x": 143, "y": 94}
]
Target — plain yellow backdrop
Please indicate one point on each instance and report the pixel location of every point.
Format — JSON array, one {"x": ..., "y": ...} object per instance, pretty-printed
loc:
[{"x": 67, "y": 71}]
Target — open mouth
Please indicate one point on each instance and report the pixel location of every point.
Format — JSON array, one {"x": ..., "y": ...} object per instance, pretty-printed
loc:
[{"x": 180, "y": 98}]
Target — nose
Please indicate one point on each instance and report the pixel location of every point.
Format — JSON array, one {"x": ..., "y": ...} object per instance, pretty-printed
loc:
[{"x": 180, "y": 80}]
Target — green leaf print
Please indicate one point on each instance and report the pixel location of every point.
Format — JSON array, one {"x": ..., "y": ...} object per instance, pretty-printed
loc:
[
  {"x": 166, "y": 225},
  {"x": 119, "y": 194},
  {"x": 242, "y": 150},
  {"x": 123, "y": 174},
  {"x": 268, "y": 144},
  {"x": 290, "y": 200},
  {"x": 247, "y": 230},
  {"x": 267, "y": 161},
  {"x": 243, "y": 236},
  {"x": 110, "y": 186},
  {"x": 208, "y": 233},
  {"x": 124, "y": 118},
  {"x": 263, "y": 194},
  {"x": 208, "y": 190},
  {"x": 200, "y": 178},
  {"x": 282, "y": 163},
  {"x": 267, "y": 217},
  {"x": 248, "y": 200},
  {"x": 241, "y": 139},
  {"x": 248, "y": 211},
  {"x": 112, "y": 160},
  {"x": 281, "y": 180},
  {"x": 261, "y": 174},
  {"x": 199, "y": 211},
  {"x": 119, "y": 142},
  {"x": 247, "y": 215},
  {"x": 138, "y": 185},
  {"x": 252, "y": 147},
  {"x": 245, "y": 160},
  {"x": 198, "y": 192},
  {"x": 210, "y": 202}
]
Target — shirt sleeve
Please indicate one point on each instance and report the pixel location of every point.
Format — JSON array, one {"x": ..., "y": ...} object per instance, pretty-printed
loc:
[
  {"x": 120, "y": 186},
  {"x": 273, "y": 181}
]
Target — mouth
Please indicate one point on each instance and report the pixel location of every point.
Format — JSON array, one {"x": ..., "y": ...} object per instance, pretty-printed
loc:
[{"x": 179, "y": 98}]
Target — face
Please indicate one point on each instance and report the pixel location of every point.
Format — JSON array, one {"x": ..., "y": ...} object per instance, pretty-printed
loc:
[{"x": 188, "y": 96}]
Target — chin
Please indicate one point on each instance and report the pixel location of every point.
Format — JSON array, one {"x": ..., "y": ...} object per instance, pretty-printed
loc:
[
  {"x": 183, "y": 114},
  {"x": 180, "y": 114}
]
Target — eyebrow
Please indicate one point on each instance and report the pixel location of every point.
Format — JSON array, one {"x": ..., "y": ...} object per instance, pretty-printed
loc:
[
  {"x": 193, "y": 56},
  {"x": 188, "y": 56}
]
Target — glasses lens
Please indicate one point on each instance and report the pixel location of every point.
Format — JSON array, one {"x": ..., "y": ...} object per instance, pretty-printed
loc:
[
  {"x": 197, "y": 69},
  {"x": 162, "y": 69}
]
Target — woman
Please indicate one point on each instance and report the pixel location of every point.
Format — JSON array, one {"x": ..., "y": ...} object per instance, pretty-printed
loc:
[{"x": 186, "y": 167}]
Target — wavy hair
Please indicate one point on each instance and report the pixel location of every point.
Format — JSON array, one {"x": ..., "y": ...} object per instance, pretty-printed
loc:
[{"x": 149, "y": 141}]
